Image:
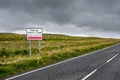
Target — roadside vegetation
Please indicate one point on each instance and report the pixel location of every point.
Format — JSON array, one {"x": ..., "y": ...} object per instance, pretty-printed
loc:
[{"x": 14, "y": 51}]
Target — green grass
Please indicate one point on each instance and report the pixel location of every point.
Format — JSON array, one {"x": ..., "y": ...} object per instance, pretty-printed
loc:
[{"x": 14, "y": 52}]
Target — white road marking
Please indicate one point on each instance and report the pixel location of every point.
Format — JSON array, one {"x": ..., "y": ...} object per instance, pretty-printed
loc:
[
  {"x": 58, "y": 63},
  {"x": 99, "y": 67},
  {"x": 111, "y": 58},
  {"x": 89, "y": 74}
]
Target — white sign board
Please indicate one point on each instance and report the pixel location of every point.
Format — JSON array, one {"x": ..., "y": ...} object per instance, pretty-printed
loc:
[{"x": 34, "y": 33}]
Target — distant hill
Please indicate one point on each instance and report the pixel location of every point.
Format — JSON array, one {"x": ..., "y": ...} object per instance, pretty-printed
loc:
[{"x": 16, "y": 37}]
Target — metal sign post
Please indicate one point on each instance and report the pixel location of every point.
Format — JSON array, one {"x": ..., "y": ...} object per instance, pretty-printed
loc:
[
  {"x": 39, "y": 46},
  {"x": 30, "y": 48},
  {"x": 34, "y": 34}
]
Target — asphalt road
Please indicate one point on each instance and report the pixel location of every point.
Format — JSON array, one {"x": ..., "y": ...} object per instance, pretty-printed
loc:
[{"x": 100, "y": 65}]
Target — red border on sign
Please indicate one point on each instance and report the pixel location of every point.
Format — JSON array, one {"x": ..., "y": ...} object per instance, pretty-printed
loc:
[{"x": 34, "y": 38}]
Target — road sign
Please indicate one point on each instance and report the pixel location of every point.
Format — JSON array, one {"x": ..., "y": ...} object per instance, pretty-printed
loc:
[{"x": 34, "y": 33}]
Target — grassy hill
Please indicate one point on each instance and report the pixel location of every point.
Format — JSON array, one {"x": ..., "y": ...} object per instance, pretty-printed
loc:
[{"x": 14, "y": 50}]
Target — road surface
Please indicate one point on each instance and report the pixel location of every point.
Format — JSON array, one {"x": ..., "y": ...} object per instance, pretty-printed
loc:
[{"x": 100, "y": 65}]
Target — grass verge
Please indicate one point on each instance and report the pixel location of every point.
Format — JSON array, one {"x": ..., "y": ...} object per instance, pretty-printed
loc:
[{"x": 23, "y": 66}]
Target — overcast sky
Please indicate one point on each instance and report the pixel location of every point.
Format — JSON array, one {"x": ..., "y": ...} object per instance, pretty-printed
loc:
[{"x": 99, "y": 18}]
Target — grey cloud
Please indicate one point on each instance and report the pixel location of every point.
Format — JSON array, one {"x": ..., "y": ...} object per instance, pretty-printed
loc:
[
  {"x": 102, "y": 14},
  {"x": 95, "y": 14},
  {"x": 55, "y": 10}
]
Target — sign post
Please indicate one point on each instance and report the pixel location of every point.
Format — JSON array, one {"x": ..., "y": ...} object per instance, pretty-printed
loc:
[
  {"x": 34, "y": 34},
  {"x": 30, "y": 48},
  {"x": 39, "y": 44}
]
